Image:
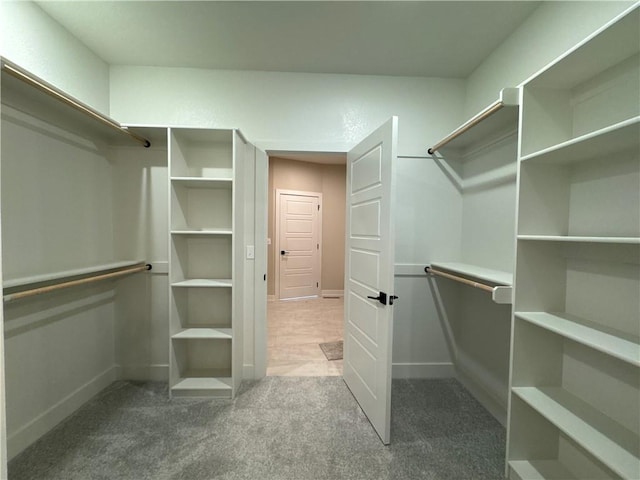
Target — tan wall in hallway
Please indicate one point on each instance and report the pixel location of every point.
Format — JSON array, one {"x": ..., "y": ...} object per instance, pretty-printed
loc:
[{"x": 330, "y": 180}]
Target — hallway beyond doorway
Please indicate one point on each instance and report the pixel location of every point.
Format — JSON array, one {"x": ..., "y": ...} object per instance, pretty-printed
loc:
[{"x": 295, "y": 330}]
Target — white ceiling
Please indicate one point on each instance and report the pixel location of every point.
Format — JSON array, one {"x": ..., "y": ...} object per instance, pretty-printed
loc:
[{"x": 419, "y": 38}]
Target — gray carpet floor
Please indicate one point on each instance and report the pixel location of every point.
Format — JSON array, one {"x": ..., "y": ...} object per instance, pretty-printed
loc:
[{"x": 278, "y": 428}]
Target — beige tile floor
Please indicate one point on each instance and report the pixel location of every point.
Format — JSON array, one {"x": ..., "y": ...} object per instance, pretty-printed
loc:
[{"x": 295, "y": 330}]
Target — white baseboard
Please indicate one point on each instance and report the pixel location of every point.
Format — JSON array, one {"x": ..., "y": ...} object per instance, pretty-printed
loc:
[
  {"x": 332, "y": 293},
  {"x": 20, "y": 439},
  {"x": 423, "y": 370},
  {"x": 153, "y": 373}
]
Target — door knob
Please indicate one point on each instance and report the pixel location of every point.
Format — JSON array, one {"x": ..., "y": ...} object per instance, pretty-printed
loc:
[{"x": 283, "y": 252}]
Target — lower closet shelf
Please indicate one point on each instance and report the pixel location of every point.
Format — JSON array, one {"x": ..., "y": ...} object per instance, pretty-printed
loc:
[
  {"x": 611, "y": 443},
  {"x": 539, "y": 470},
  {"x": 203, "y": 333},
  {"x": 203, "y": 386}
]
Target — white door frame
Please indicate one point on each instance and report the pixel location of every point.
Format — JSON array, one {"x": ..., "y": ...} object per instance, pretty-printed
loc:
[{"x": 279, "y": 192}]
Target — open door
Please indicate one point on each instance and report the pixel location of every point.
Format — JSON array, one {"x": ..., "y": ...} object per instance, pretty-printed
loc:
[{"x": 369, "y": 269}]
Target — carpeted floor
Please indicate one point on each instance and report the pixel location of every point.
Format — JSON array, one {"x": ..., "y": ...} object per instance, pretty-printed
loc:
[{"x": 278, "y": 428}]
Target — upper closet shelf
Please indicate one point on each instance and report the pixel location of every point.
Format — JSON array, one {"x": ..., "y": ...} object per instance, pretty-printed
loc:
[
  {"x": 622, "y": 136},
  {"x": 25, "y": 91},
  {"x": 581, "y": 239},
  {"x": 609, "y": 46},
  {"x": 495, "y": 118},
  {"x": 501, "y": 282},
  {"x": 66, "y": 274}
]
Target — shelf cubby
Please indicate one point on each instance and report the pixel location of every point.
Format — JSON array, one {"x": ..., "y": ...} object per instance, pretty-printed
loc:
[
  {"x": 201, "y": 208},
  {"x": 201, "y": 153},
  {"x": 201, "y": 257},
  {"x": 592, "y": 88},
  {"x": 201, "y": 307},
  {"x": 596, "y": 198}
]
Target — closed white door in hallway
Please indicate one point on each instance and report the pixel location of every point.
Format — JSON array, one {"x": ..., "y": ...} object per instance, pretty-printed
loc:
[{"x": 298, "y": 244}]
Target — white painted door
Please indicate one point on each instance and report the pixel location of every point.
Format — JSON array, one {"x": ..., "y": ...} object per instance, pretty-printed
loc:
[
  {"x": 368, "y": 316},
  {"x": 299, "y": 245}
]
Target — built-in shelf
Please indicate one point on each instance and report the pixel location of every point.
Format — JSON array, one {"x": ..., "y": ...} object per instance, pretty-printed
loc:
[
  {"x": 78, "y": 272},
  {"x": 204, "y": 333},
  {"x": 601, "y": 143},
  {"x": 540, "y": 470},
  {"x": 586, "y": 333},
  {"x": 202, "y": 182},
  {"x": 24, "y": 91},
  {"x": 497, "y": 117},
  {"x": 204, "y": 282},
  {"x": 580, "y": 239},
  {"x": 193, "y": 385},
  {"x": 609, "y": 442},
  {"x": 607, "y": 47},
  {"x": 202, "y": 231},
  {"x": 498, "y": 277},
  {"x": 501, "y": 293}
]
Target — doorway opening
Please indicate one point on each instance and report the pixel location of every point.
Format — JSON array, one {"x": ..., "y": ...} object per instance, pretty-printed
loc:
[{"x": 305, "y": 265}]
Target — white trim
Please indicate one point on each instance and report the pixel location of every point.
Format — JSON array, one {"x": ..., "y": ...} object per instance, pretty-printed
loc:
[
  {"x": 423, "y": 370},
  {"x": 248, "y": 372},
  {"x": 278, "y": 193},
  {"x": 27, "y": 434},
  {"x": 261, "y": 227},
  {"x": 332, "y": 293}
]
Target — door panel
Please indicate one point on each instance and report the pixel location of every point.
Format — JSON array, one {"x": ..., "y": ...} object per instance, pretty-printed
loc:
[
  {"x": 368, "y": 324},
  {"x": 299, "y": 255}
]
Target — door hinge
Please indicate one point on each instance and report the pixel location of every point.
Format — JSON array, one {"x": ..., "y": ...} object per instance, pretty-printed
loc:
[
  {"x": 317, "y": 246},
  {"x": 317, "y": 284},
  {"x": 318, "y": 207}
]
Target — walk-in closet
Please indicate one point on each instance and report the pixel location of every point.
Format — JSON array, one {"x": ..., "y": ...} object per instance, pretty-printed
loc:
[{"x": 483, "y": 264}]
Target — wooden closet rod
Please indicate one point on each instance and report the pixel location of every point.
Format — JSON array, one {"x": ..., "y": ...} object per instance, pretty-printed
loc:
[
  {"x": 73, "y": 283},
  {"x": 487, "y": 112},
  {"x": 481, "y": 286},
  {"x": 30, "y": 79}
]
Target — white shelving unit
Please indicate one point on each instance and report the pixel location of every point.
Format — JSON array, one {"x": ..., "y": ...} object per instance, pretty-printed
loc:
[
  {"x": 575, "y": 379},
  {"x": 480, "y": 158},
  {"x": 204, "y": 262}
]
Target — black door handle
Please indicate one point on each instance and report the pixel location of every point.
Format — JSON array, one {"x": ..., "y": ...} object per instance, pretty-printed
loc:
[
  {"x": 382, "y": 298},
  {"x": 283, "y": 252}
]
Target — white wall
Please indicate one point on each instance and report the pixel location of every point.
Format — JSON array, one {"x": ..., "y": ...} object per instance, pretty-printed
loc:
[
  {"x": 289, "y": 110},
  {"x": 140, "y": 232},
  {"x": 36, "y": 42},
  {"x": 56, "y": 216},
  {"x": 552, "y": 29}
]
